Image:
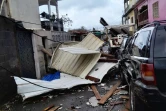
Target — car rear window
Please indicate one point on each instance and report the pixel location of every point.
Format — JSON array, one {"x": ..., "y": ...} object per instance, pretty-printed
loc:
[
  {"x": 140, "y": 44},
  {"x": 160, "y": 42}
]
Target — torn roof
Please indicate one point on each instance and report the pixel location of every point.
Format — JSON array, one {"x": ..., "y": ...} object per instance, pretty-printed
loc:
[{"x": 81, "y": 60}]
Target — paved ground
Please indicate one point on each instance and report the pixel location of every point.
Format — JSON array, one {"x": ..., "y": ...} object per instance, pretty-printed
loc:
[{"x": 74, "y": 97}]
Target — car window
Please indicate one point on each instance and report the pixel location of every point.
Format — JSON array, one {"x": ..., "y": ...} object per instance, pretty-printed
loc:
[
  {"x": 160, "y": 42},
  {"x": 139, "y": 47}
]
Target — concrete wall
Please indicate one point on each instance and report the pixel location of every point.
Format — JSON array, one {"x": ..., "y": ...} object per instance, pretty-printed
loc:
[
  {"x": 162, "y": 9},
  {"x": 8, "y": 50}
]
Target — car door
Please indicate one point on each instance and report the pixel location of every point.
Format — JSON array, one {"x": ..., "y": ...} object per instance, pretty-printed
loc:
[{"x": 139, "y": 52}]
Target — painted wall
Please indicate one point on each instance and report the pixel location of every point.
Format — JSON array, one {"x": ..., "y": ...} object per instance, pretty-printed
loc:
[
  {"x": 130, "y": 15},
  {"x": 162, "y": 9},
  {"x": 132, "y": 2}
]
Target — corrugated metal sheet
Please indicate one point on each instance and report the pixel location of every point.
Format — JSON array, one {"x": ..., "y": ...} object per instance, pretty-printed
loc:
[
  {"x": 101, "y": 69},
  {"x": 77, "y": 64},
  {"x": 27, "y": 90},
  {"x": 75, "y": 50},
  {"x": 66, "y": 81}
]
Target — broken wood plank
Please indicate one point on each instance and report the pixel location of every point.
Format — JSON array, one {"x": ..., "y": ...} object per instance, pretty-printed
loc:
[
  {"x": 45, "y": 51},
  {"x": 95, "y": 91},
  {"x": 109, "y": 93},
  {"x": 92, "y": 78},
  {"x": 127, "y": 105},
  {"x": 46, "y": 109},
  {"x": 108, "y": 60},
  {"x": 54, "y": 108},
  {"x": 124, "y": 97}
]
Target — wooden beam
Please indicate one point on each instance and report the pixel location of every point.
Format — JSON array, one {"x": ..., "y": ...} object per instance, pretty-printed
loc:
[
  {"x": 45, "y": 51},
  {"x": 55, "y": 108},
  {"x": 109, "y": 93},
  {"x": 95, "y": 91},
  {"x": 46, "y": 109}
]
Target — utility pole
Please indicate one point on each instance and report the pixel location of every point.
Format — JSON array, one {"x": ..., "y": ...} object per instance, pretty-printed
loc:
[
  {"x": 57, "y": 12},
  {"x": 49, "y": 10}
]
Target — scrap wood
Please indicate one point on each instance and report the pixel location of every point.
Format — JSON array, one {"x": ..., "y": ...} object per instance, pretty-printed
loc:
[
  {"x": 54, "y": 108},
  {"x": 109, "y": 93},
  {"x": 127, "y": 106},
  {"x": 95, "y": 91},
  {"x": 124, "y": 97},
  {"x": 45, "y": 51},
  {"x": 48, "y": 108},
  {"x": 92, "y": 78}
]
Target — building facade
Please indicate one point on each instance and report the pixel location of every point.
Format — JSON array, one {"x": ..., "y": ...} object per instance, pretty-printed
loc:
[{"x": 138, "y": 13}]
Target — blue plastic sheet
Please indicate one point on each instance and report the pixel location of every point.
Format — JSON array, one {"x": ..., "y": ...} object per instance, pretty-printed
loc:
[{"x": 51, "y": 77}]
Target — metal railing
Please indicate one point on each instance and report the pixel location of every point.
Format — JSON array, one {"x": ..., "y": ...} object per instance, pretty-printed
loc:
[{"x": 143, "y": 17}]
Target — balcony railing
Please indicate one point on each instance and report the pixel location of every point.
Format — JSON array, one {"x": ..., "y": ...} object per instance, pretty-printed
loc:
[
  {"x": 143, "y": 18},
  {"x": 126, "y": 9}
]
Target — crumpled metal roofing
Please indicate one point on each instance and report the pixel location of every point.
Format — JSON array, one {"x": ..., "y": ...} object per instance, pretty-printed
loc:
[
  {"x": 66, "y": 81},
  {"x": 27, "y": 90},
  {"x": 80, "y": 61}
]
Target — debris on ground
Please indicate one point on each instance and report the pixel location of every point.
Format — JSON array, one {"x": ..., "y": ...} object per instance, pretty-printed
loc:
[
  {"x": 93, "y": 101},
  {"x": 124, "y": 97},
  {"x": 122, "y": 87},
  {"x": 122, "y": 92},
  {"x": 109, "y": 93}
]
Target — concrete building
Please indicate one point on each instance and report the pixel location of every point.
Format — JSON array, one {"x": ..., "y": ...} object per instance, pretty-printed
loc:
[
  {"x": 142, "y": 12},
  {"x": 129, "y": 14},
  {"x": 29, "y": 60}
]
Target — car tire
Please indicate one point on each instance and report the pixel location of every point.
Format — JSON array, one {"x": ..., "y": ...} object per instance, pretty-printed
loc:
[{"x": 135, "y": 103}]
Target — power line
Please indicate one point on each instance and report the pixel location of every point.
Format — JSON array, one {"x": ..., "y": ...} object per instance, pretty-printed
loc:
[
  {"x": 36, "y": 35},
  {"x": 26, "y": 80},
  {"x": 12, "y": 20}
]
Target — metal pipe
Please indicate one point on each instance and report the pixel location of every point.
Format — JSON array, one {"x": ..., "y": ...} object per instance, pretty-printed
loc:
[
  {"x": 49, "y": 11},
  {"x": 57, "y": 12}
]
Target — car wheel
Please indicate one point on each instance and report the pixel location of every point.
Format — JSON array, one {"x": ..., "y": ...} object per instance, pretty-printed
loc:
[{"x": 135, "y": 103}]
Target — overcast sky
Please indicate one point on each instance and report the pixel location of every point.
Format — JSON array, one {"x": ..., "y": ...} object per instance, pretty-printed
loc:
[{"x": 87, "y": 13}]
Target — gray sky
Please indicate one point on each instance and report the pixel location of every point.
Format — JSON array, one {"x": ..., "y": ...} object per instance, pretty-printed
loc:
[{"x": 87, "y": 13}]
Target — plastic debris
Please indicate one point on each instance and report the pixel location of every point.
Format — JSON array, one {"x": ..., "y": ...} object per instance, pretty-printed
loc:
[
  {"x": 122, "y": 92},
  {"x": 81, "y": 97},
  {"x": 51, "y": 77},
  {"x": 122, "y": 87}
]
